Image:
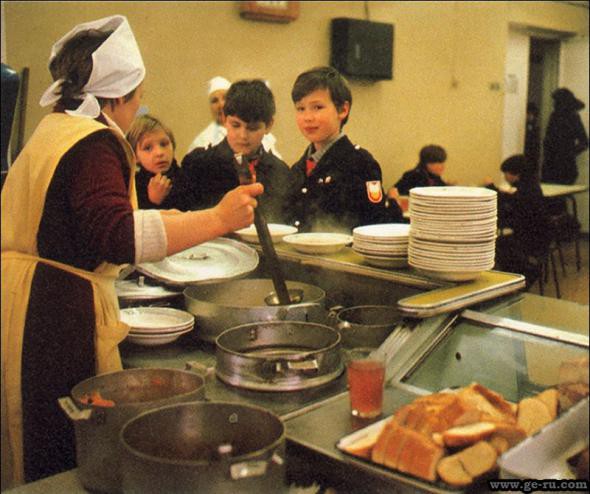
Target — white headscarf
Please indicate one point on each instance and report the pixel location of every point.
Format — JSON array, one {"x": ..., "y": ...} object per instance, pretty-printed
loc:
[
  {"x": 216, "y": 84},
  {"x": 117, "y": 66}
]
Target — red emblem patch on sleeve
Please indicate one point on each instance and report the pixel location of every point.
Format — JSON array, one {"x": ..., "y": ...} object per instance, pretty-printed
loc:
[{"x": 374, "y": 191}]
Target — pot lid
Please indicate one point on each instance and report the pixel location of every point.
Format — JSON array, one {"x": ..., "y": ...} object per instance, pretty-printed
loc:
[{"x": 219, "y": 259}]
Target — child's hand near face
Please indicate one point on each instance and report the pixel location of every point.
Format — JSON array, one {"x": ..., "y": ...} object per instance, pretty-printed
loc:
[{"x": 158, "y": 188}]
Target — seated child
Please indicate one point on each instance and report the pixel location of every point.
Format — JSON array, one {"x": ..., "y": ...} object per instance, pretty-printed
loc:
[
  {"x": 426, "y": 173},
  {"x": 523, "y": 211},
  {"x": 249, "y": 111},
  {"x": 335, "y": 185},
  {"x": 158, "y": 181}
]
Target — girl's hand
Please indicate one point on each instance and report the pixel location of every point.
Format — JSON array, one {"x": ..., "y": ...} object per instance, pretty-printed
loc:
[{"x": 158, "y": 188}]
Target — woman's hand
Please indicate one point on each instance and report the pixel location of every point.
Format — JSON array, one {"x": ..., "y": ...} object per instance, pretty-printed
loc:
[
  {"x": 393, "y": 193},
  {"x": 158, "y": 188},
  {"x": 236, "y": 209}
]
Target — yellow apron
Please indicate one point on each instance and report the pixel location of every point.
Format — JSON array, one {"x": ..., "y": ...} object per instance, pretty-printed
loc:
[{"x": 23, "y": 197}]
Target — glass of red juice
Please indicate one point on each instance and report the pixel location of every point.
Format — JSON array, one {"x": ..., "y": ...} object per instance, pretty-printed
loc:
[{"x": 366, "y": 376}]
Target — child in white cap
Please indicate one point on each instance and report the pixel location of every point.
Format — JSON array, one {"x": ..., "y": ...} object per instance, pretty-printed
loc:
[
  {"x": 215, "y": 132},
  {"x": 69, "y": 224}
]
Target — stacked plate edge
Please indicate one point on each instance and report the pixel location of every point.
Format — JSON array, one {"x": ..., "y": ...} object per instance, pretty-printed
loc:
[
  {"x": 453, "y": 231},
  {"x": 152, "y": 326}
]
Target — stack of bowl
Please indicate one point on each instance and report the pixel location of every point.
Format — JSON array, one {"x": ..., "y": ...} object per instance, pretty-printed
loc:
[
  {"x": 152, "y": 326},
  {"x": 384, "y": 245}
]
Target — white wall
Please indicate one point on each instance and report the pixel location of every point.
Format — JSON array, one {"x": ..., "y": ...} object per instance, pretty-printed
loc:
[
  {"x": 516, "y": 78},
  {"x": 574, "y": 75}
]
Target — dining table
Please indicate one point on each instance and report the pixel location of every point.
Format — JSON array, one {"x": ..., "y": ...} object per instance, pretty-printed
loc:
[{"x": 567, "y": 192}]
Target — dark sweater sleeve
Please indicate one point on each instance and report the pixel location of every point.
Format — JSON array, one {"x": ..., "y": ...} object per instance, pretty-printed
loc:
[{"x": 88, "y": 218}]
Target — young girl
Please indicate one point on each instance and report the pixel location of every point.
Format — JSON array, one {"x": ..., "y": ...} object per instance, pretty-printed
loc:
[{"x": 158, "y": 181}]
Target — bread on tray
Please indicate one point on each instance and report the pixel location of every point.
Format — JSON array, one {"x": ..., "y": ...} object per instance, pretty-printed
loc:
[{"x": 456, "y": 436}]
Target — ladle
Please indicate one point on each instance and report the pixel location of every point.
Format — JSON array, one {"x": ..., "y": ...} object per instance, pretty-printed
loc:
[
  {"x": 295, "y": 296},
  {"x": 268, "y": 248}
]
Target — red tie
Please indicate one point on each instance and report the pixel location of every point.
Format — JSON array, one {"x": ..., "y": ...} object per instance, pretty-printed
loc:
[
  {"x": 252, "y": 167},
  {"x": 310, "y": 164}
]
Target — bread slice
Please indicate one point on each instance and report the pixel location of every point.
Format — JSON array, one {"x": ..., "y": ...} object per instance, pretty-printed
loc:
[
  {"x": 451, "y": 471},
  {"x": 532, "y": 415},
  {"x": 395, "y": 446},
  {"x": 378, "y": 451},
  {"x": 499, "y": 443},
  {"x": 363, "y": 446},
  {"x": 491, "y": 405},
  {"x": 419, "y": 455},
  {"x": 550, "y": 398},
  {"x": 478, "y": 459},
  {"x": 461, "y": 469},
  {"x": 466, "y": 435}
]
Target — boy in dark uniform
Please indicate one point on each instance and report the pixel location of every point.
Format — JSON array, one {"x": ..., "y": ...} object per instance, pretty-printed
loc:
[
  {"x": 336, "y": 186},
  {"x": 426, "y": 173},
  {"x": 249, "y": 110}
]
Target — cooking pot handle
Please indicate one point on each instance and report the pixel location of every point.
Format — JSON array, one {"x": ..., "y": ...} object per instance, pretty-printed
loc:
[
  {"x": 280, "y": 366},
  {"x": 246, "y": 469},
  {"x": 72, "y": 411},
  {"x": 289, "y": 313},
  {"x": 333, "y": 313}
]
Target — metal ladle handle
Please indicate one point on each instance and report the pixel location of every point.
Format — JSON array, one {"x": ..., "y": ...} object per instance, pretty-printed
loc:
[{"x": 268, "y": 248}]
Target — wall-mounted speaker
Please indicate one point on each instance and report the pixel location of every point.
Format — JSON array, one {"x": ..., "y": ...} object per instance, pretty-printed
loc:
[{"x": 362, "y": 49}]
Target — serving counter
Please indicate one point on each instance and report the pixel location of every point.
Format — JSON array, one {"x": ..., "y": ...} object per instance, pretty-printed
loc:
[{"x": 509, "y": 341}]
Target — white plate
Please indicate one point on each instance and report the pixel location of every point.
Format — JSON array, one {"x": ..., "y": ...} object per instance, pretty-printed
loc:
[
  {"x": 157, "y": 339},
  {"x": 464, "y": 193},
  {"x": 276, "y": 230},
  {"x": 382, "y": 231},
  {"x": 318, "y": 243},
  {"x": 386, "y": 263},
  {"x": 156, "y": 317}
]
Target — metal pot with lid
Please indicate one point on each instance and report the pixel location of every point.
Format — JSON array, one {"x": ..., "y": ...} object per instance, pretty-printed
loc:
[
  {"x": 101, "y": 405},
  {"x": 278, "y": 355},
  {"x": 219, "y": 306},
  {"x": 215, "y": 448}
]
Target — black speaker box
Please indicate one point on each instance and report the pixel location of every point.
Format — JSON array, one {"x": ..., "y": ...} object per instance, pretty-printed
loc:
[{"x": 362, "y": 49}]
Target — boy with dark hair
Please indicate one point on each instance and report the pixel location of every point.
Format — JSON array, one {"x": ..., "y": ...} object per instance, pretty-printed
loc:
[
  {"x": 336, "y": 186},
  {"x": 249, "y": 115},
  {"x": 426, "y": 173},
  {"x": 524, "y": 212}
]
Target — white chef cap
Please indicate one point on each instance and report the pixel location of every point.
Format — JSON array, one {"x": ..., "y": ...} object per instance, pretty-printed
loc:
[
  {"x": 117, "y": 66},
  {"x": 216, "y": 84}
]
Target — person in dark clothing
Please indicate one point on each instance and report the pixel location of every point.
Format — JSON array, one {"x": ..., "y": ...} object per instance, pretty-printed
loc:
[
  {"x": 565, "y": 139},
  {"x": 249, "y": 111},
  {"x": 532, "y": 138},
  {"x": 426, "y": 173},
  {"x": 159, "y": 180},
  {"x": 335, "y": 185},
  {"x": 523, "y": 211}
]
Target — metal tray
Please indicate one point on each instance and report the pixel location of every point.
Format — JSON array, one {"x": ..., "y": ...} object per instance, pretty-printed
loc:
[{"x": 217, "y": 260}]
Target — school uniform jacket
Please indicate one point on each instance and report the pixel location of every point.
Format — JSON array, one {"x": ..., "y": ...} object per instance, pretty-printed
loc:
[
  {"x": 417, "y": 177},
  {"x": 342, "y": 192},
  {"x": 212, "y": 173}
]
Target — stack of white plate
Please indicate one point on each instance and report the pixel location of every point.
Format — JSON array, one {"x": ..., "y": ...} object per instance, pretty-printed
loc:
[
  {"x": 152, "y": 326},
  {"x": 453, "y": 231},
  {"x": 383, "y": 246}
]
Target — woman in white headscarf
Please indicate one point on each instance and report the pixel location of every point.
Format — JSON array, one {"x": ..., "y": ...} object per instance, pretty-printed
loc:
[
  {"x": 215, "y": 132},
  {"x": 69, "y": 224}
]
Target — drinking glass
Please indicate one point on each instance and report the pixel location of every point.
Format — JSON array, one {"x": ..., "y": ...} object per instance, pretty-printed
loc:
[{"x": 366, "y": 376}]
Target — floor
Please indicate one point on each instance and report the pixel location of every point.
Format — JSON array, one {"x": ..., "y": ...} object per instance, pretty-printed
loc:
[{"x": 574, "y": 284}]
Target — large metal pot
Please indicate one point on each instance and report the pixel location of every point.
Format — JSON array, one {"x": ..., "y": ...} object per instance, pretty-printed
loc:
[
  {"x": 203, "y": 447},
  {"x": 364, "y": 325},
  {"x": 278, "y": 355},
  {"x": 220, "y": 306},
  {"x": 97, "y": 428}
]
